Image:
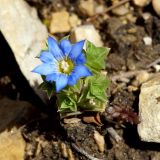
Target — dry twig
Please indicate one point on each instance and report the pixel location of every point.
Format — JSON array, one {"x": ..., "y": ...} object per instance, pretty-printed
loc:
[
  {"x": 114, "y": 134},
  {"x": 108, "y": 9},
  {"x": 153, "y": 63},
  {"x": 83, "y": 152},
  {"x": 116, "y": 5},
  {"x": 125, "y": 76}
]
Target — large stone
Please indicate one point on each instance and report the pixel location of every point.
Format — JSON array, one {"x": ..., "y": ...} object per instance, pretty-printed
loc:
[
  {"x": 156, "y": 6},
  {"x": 13, "y": 115},
  {"x": 149, "y": 110},
  {"x": 87, "y": 32},
  {"x": 12, "y": 145},
  {"x": 25, "y": 34}
]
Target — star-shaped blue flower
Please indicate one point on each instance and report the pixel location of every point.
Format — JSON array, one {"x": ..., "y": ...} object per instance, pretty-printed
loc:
[{"x": 63, "y": 63}]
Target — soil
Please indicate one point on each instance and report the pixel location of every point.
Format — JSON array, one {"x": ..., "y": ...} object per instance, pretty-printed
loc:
[{"x": 52, "y": 139}]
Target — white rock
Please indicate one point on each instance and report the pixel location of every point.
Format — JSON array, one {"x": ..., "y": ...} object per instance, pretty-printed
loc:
[
  {"x": 149, "y": 110},
  {"x": 156, "y": 67},
  {"x": 156, "y": 6},
  {"x": 25, "y": 34},
  {"x": 60, "y": 22},
  {"x": 141, "y": 3},
  {"x": 87, "y": 32},
  {"x": 147, "y": 41}
]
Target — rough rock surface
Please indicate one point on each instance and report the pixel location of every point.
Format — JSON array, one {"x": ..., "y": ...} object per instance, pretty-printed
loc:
[
  {"x": 156, "y": 6},
  {"x": 12, "y": 145},
  {"x": 149, "y": 110},
  {"x": 24, "y": 33},
  {"x": 14, "y": 114},
  {"x": 87, "y": 32}
]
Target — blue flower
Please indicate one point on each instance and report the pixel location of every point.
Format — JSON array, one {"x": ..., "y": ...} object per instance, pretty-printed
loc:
[{"x": 63, "y": 63}]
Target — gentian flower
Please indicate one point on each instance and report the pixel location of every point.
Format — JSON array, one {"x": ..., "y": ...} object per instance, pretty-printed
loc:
[{"x": 63, "y": 63}]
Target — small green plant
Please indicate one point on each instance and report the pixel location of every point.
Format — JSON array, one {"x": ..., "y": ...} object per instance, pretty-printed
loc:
[{"x": 74, "y": 75}]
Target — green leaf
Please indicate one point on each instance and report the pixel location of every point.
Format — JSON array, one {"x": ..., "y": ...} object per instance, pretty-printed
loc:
[
  {"x": 48, "y": 87},
  {"x": 67, "y": 104},
  {"x": 97, "y": 87},
  {"x": 93, "y": 105},
  {"x": 95, "y": 56}
]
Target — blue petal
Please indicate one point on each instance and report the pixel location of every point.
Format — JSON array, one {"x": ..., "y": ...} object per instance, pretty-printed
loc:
[
  {"x": 61, "y": 82},
  {"x": 47, "y": 57},
  {"x": 78, "y": 72},
  {"x": 45, "y": 69},
  {"x": 72, "y": 79},
  {"x": 65, "y": 46},
  {"x": 76, "y": 50},
  {"x": 54, "y": 48},
  {"x": 52, "y": 77},
  {"x": 82, "y": 71},
  {"x": 81, "y": 59}
]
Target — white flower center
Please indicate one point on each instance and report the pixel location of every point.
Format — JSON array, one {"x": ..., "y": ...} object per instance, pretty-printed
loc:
[{"x": 64, "y": 66}]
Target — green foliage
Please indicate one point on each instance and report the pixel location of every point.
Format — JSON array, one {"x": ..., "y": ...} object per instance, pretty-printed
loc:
[
  {"x": 97, "y": 87},
  {"x": 67, "y": 103},
  {"x": 95, "y": 57}
]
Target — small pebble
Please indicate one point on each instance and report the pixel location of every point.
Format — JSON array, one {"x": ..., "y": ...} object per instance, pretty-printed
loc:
[
  {"x": 146, "y": 16},
  {"x": 87, "y": 7},
  {"x": 99, "y": 141},
  {"x": 59, "y": 22},
  {"x": 87, "y": 32},
  {"x": 70, "y": 154},
  {"x": 132, "y": 88},
  {"x": 99, "y": 9},
  {"x": 64, "y": 150},
  {"x": 147, "y": 41},
  {"x": 142, "y": 77},
  {"x": 121, "y": 10},
  {"x": 157, "y": 67},
  {"x": 141, "y": 3}
]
